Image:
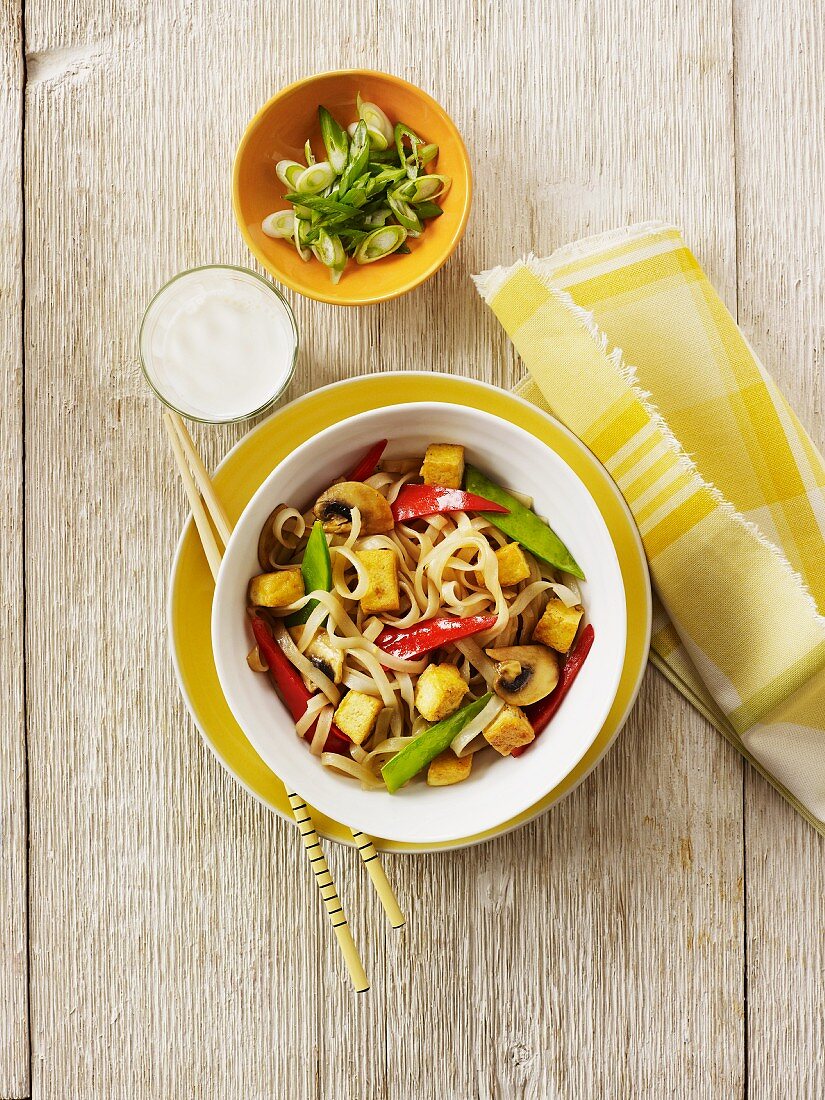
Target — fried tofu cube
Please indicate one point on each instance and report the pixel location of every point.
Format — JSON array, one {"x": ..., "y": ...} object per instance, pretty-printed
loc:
[
  {"x": 444, "y": 465},
  {"x": 382, "y": 569},
  {"x": 356, "y": 715},
  {"x": 558, "y": 625},
  {"x": 325, "y": 657},
  {"x": 439, "y": 691},
  {"x": 509, "y": 730},
  {"x": 447, "y": 768},
  {"x": 512, "y": 564},
  {"x": 276, "y": 589}
]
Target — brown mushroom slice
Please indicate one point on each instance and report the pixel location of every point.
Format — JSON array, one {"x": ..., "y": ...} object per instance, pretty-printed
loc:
[
  {"x": 525, "y": 673},
  {"x": 334, "y": 509}
]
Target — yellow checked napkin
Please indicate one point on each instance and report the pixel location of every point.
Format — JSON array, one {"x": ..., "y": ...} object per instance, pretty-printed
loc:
[{"x": 628, "y": 344}]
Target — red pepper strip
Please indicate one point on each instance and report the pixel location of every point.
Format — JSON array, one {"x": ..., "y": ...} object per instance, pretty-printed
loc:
[
  {"x": 541, "y": 712},
  {"x": 291, "y": 687},
  {"x": 366, "y": 467},
  {"x": 434, "y": 500},
  {"x": 409, "y": 642}
]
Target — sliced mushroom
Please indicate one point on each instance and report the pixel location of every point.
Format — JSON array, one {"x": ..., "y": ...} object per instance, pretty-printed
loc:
[
  {"x": 334, "y": 508},
  {"x": 525, "y": 673}
]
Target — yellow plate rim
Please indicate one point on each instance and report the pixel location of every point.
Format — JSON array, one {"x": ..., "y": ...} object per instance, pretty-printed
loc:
[{"x": 639, "y": 610}]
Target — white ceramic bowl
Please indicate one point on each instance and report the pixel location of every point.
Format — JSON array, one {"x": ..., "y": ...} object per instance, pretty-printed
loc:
[{"x": 498, "y": 788}]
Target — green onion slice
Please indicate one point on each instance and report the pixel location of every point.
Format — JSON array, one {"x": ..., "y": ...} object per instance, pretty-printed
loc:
[
  {"x": 424, "y": 187},
  {"x": 329, "y": 250},
  {"x": 279, "y": 224},
  {"x": 304, "y": 253},
  {"x": 427, "y": 153},
  {"x": 309, "y": 156},
  {"x": 380, "y": 243},
  {"x": 377, "y": 122},
  {"x": 409, "y": 160},
  {"x": 404, "y": 212},
  {"x": 315, "y": 178},
  {"x": 288, "y": 171},
  {"x": 335, "y": 141},
  {"x": 428, "y": 210},
  {"x": 359, "y": 154}
]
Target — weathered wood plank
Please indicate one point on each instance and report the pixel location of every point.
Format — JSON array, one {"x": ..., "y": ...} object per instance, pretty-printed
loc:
[
  {"x": 780, "y": 129},
  {"x": 14, "y": 1028},
  {"x": 177, "y": 945}
]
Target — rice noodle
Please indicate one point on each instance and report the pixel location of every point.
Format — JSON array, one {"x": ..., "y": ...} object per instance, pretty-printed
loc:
[
  {"x": 351, "y": 767},
  {"x": 462, "y": 740},
  {"x": 305, "y": 667}
]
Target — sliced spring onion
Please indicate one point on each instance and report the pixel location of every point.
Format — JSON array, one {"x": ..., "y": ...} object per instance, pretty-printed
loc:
[
  {"x": 359, "y": 155},
  {"x": 424, "y": 187},
  {"x": 279, "y": 224},
  {"x": 428, "y": 210},
  {"x": 378, "y": 217},
  {"x": 404, "y": 212},
  {"x": 315, "y": 178},
  {"x": 382, "y": 242},
  {"x": 377, "y": 140},
  {"x": 384, "y": 178},
  {"x": 302, "y": 251},
  {"x": 288, "y": 171},
  {"x": 329, "y": 250},
  {"x": 335, "y": 141},
  {"x": 409, "y": 160},
  {"x": 366, "y": 198},
  {"x": 376, "y": 121}
]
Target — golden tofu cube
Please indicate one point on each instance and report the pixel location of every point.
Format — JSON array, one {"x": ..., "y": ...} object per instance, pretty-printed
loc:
[
  {"x": 447, "y": 768},
  {"x": 512, "y": 564},
  {"x": 509, "y": 730},
  {"x": 276, "y": 589},
  {"x": 444, "y": 465},
  {"x": 325, "y": 657},
  {"x": 356, "y": 715},
  {"x": 558, "y": 625},
  {"x": 382, "y": 569},
  {"x": 439, "y": 691}
]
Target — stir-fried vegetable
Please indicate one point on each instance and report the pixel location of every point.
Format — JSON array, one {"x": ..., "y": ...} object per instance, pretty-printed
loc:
[
  {"x": 290, "y": 686},
  {"x": 424, "y": 748},
  {"x": 408, "y": 613},
  {"x": 368, "y": 464},
  {"x": 539, "y": 714},
  {"x": 436, "y": 500},
  {"x": 366, "y": 198},
  {"x": 522, "y": 524},
  {"x": 316, "y": 569},
  {"x": 410, "y": 642}
]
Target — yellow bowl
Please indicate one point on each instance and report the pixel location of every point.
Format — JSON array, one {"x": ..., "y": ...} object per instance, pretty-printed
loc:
[{"x": 278, "y": 132}]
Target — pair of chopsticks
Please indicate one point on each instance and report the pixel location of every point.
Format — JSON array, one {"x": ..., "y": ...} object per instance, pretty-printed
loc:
[{"x": 205, "y": 506}]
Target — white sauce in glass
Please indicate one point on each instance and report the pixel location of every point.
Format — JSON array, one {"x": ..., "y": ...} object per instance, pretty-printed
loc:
[{"x": 218, "y": 344}]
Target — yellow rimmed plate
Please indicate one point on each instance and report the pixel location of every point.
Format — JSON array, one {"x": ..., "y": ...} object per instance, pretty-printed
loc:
[{"x": 245, "y": 468}]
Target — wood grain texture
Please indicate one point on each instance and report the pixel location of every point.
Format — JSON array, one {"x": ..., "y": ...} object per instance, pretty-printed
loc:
[
  {"x": 177, "y": 944},
  {"x": 14, "y": 1037},
  {"x": 780, "y": 128}
]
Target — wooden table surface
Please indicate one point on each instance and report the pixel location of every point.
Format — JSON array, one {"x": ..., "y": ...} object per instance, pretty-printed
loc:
[{"x": 662, "y": 932}]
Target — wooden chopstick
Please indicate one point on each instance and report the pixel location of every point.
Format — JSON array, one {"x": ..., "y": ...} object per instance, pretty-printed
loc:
[
  {"x": 182, "y": 446},
  {"x": 190, "y": 463}
]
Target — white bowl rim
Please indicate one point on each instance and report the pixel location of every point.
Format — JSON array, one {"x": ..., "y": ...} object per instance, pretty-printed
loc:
[{"x": 607, "y": 697}]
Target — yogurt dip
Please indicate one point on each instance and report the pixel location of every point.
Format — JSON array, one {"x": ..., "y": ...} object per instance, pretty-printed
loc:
[{"x": 218, "y": 344}]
